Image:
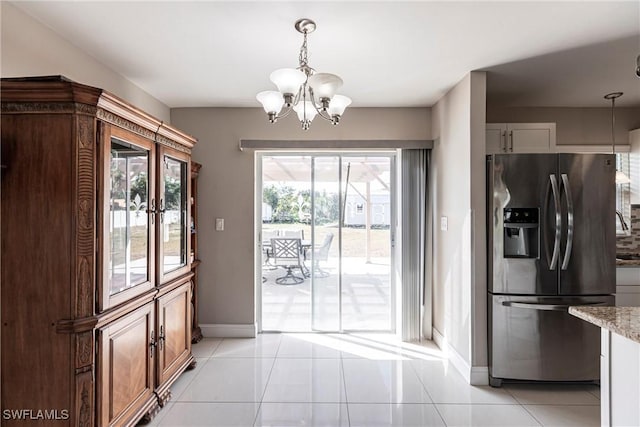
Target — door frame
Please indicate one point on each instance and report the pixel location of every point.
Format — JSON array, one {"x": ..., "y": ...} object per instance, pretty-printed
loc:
[{"x": 394, "y": 255}]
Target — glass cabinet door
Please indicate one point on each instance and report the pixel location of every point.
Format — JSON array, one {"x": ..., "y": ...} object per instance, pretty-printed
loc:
[
  {"x": 173, "y": 208},
  {"x": 126, "y": 220}
]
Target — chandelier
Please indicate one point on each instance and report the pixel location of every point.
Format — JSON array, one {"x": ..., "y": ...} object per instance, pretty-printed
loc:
[{"x": 303, "y": 90}]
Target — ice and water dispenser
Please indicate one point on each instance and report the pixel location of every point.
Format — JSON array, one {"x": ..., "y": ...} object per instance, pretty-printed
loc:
[{"x": 521, "y": 233}]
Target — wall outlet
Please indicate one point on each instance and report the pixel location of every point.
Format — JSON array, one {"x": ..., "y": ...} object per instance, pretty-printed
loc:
[
  {"x": 219, "y": 224},
  {"x": 444, "y": 223}
]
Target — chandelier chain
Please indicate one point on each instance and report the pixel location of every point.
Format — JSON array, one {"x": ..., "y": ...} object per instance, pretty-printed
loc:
[{"x": 302, "y": 59}]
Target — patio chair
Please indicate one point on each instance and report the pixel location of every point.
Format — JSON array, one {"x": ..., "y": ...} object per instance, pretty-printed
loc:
[
  {"x": 267, "y": 235},
  {"x": 321, "y": 253},
  {"x": 286, "y": 253},
  {"x": 297, "y": 234}
]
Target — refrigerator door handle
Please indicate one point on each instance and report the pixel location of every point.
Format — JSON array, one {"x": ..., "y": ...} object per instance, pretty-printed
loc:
[
  {"x": 568, "y": 249},
  {"x": 548, "y": 307},
  {"x": 558, "y": 227}
]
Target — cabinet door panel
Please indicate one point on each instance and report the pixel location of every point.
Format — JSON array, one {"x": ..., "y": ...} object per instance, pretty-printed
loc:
[
  {"x": 128, "y": 233},
  {"x": 125, "y": 371},
  {"x": 174, "y": 316},
  {"x": 174, "y": 192},
  {"x": 531, "y": 137},
  {"x": 495, "y": 138}
]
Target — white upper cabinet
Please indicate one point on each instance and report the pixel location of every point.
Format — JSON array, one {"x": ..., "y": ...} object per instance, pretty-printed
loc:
[
  {"x": 520, "y": 138},
  {"x": 496, "y": 138}
]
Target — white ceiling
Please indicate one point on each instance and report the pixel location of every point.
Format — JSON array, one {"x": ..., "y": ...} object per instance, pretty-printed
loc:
[{"x": 389, "y": 54}]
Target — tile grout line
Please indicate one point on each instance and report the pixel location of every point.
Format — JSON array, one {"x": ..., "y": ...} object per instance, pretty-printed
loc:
[
  {"x": 506, "y": 389},
  {"x": 439, "y": 413},
  {"x": 275, "y": 358},
  {"x": 344, "y": 384},
  {"x": 532, "y": 415},
  {"x": 175, "y": 400},
  {"x": 424, "y": 387},
  {"x": 195, "y": 375}
]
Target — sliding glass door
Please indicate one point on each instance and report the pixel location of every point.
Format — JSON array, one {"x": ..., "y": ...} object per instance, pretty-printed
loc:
[
  {"x": 326, "y": 234},
  {"x": 340, "y": 207}
]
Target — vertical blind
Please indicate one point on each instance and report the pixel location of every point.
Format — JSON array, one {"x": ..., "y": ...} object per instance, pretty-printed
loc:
[{"x": 416, "y": 291}]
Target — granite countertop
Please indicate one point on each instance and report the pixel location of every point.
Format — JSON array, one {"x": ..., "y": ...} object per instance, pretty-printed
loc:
[
  {"x": 627, "y": 262},
  {"x": 627, "y": 257},
  {"x": 623, "y": 321}
]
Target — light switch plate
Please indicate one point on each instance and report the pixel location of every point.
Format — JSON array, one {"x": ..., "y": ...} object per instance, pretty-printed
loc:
[
  {"x": 219, "y": 224},
  {"x": 444, "y": 223}
]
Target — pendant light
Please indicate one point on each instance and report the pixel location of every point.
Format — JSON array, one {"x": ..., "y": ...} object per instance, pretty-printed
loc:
[{"x": 621, "y": 177}]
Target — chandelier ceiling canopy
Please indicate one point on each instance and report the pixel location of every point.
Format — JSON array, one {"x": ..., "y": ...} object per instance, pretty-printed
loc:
[{"x": 303, "y": 90}]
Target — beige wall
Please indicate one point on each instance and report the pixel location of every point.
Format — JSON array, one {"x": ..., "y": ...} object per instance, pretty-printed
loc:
[
  {"x": 226, "y": 293},
  {"x": 479, "y": 209},
  {"x": 458, "y": 192},
  {"x": 574, "y": 126},
  {"x": 28, "y": 48},
  {"x": 451, "y": 198}
]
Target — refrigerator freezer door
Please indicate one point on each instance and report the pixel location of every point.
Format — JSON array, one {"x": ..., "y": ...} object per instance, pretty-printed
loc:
[
  {"x": 523, "y": 181},
  {"x": 588, "y": 248},
  {"x": 537, "y": 339}
]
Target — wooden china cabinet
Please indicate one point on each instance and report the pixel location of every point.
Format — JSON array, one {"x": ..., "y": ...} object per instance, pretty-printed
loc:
[{"x": 96, "y": 266}]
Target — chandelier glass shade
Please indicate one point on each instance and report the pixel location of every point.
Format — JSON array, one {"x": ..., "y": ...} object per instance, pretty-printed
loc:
[{"x": 304, "y": 91}]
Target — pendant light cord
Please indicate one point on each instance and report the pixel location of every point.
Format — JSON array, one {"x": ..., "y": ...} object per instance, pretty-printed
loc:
[
  {"x": 612, "y": 96},
  {"x": 613, "y": 125}
]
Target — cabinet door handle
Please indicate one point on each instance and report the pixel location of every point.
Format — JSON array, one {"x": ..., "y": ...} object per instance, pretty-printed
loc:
[
  {"x": 161, "y": 338},
  {"x": 504, "y": 141},
  {"x": 161, "y": 211},
  {"x": 152, "y": 211},
  {"x": 152, "y": 344},
  {"x": 511, "y": 141}
]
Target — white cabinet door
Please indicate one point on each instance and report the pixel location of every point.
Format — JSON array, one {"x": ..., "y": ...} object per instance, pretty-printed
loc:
[
  {"x": 619, "y": 381},
  {"x": 520, "y": 138},
  {"x": 531, "y": 137},
  {"x": 624, "y": 385},
  {"x": 496, "y": 138},
  {"x": 605, "y": 378}
]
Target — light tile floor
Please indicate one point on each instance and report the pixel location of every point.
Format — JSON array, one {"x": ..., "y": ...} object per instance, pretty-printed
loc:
[
  {"x": 366, "y": 290},
  {"x": 355, "y": 380}
]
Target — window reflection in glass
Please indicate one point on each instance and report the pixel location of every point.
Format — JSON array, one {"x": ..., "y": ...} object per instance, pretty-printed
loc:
[
  {"x": 128, "y": 219},
  {"x": 175, "y": 213}
]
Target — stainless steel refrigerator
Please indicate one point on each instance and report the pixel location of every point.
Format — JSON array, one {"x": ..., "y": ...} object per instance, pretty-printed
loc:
[{"x": 551, "y": 245}]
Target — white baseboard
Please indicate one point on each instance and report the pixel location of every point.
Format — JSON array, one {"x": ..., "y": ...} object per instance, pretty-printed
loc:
[
  {"x": 229, "y": 331},
  {"x": 476, "y": 375},
  {"x": 438, "y": 338}
]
